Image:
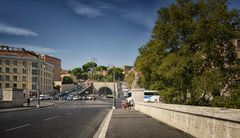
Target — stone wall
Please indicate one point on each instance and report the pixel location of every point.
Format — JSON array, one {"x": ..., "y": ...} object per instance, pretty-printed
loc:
[
  {"x": 13, "y": 96},
  {"x": 201, "y": 122},
  {"x": 5, "y": 104},
  {"x": 68, "y": 87}
]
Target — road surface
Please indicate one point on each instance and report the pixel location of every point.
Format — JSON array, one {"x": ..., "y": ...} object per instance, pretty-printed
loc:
[{"x": 66, "y": 120}]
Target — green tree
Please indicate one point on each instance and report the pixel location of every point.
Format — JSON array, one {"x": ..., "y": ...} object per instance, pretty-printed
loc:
[
  {"x": 86, "y": 67},
  {"x": 67, "y": 80},
  {"x": 129, "y": 79},
  {"x": 77, "y": 72},
  {"x": 190, "y": 58},
  {"x": 84, "y": 76},
  {"x": 118, "y": 72},
  {"x": 101, "y": 68}
]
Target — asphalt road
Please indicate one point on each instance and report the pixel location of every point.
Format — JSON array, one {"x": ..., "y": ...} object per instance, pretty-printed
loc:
[{"x": 71, "y": 119}]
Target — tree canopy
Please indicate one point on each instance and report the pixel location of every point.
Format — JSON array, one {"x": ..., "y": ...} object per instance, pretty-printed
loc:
[
  {"x": 90, "y": 65},
  {"x": 190, "y": 58},
  {"x": 118, "y": 72},
  {"x": 77, "y": 72},
  {"x": 67, "y": 80},
  {"x": 101, "y": 68}
]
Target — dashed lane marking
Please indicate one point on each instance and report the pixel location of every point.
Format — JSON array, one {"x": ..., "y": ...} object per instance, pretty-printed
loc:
[
  {"x": 50, "y": 118},
  {"x": 14, "y": 128}
]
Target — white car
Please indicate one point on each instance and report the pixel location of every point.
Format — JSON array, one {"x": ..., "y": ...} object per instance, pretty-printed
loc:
[
  {"x": 75, "y": 97},
  {"x": 91, "y": 96}
]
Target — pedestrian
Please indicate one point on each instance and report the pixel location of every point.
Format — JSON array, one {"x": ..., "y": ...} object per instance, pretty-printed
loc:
[
  {"x": 123, "y": 104},
  {"x": 131, "y": 104},
  {"x": 28, "y": 101}
]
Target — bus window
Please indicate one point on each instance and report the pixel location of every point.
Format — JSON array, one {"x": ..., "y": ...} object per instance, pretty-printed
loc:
[{"x": 151, "y": 96}]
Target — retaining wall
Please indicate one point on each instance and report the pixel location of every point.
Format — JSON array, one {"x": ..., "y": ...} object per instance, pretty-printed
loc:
[{"x": 202, "y": 122}]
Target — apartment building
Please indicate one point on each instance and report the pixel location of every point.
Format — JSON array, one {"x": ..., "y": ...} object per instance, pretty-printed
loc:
[
  {"x": 57, "y": 66},
  {"x": 25, "y": 70}
]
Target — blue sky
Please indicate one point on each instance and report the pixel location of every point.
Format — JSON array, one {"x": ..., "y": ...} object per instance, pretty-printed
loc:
[{"x": 77, "y": 30}]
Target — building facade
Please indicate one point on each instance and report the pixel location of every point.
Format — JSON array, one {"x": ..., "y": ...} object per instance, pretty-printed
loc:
[
  {"x": 57, "y": 66},
  {"x": 25, "y": 70}
]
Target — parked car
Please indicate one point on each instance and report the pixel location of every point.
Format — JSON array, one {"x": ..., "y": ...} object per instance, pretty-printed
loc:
[
  {"x": 84, "y": 98},
  {"x": 76, "y": 97},
  {"x": 91, "y": 96},
  {"x": 80, "y": 97},
  {"x": 44, "y": 97},
  {"x": 109, "y": 96},
  {"x": 70, "y": 97}
]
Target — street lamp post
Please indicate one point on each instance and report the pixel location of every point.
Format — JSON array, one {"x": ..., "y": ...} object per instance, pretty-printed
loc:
[
  {"x": 26, "y": 71},
  {"x": 38, "y": 86},
  {"x": 105, "y": 87},
  {"x": 114, "y": 92},
  {"x": 92, "y": 85}
]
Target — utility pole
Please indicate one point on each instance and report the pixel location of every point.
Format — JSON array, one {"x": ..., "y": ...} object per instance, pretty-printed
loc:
[
  {"x": 92, "y": 85},
  {"x": 38, "y": 85},
  {"x": 114, "y": 92}
]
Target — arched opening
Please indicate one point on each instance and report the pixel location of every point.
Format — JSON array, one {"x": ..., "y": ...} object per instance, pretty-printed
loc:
[{"x": 105, "y": 91}]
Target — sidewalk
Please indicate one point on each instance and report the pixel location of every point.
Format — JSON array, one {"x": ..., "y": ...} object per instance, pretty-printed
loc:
[
  {"x": 134, "y": 124},
  {"x": 33, "y": 105}
]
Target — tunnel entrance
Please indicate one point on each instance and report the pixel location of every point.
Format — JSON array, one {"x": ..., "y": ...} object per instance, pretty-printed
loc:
[{"x": 104, "y": 91}]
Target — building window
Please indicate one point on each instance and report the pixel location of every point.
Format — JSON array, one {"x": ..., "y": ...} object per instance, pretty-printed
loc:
[
  {"x": 34, "y": 64},
  {"x": 24, "y": 86},
  {"x": 7, "y": 70},
  {"x": 24, "y": 63},
  {"x": 34, "y": 86},
  {"x": 7, "y": 85},
  {"x": 7, "y": 62},
  {"x": 0, "y": 69},
  {"x": 0, "y": 62},
  {"x": 1, "y": 78},
  {"x": 0, "y": 85},
  {"x": 14, "y": 78},
  {"x": 14, "y": 70},
  {"x": 238, "y": 44},
  {"x": 34, "y": 72},
  {"x": 7, "y": 78},
  {"x": 15, "y": 62},
  {"x": 34, "y": 79},
  {"x": 24, "y": 78},
  {"x": 24, "y": 71},
  {"x": 14, "y": 85}
]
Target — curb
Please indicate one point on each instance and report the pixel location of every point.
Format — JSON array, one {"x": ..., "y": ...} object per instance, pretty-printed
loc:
[
  {"x": 26, "y": 108},
  {"x": 102, "y": 130}
]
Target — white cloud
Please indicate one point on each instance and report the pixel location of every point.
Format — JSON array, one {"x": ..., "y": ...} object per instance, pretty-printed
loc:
[
  {"x": 37, "y": 49},
  {"x": 7, "y": 29},
  {"x": 140, "y": 18},
  {"x": 84, "y": 9},
  {"x": 90, "y": 8}
]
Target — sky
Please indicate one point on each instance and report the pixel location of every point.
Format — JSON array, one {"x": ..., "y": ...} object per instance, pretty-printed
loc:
[{"x": 75, "y": 31}]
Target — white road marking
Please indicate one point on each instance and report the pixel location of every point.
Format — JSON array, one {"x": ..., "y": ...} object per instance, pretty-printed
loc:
[
  {"x": 102, "y": 130},
  {"x": 10, "y": 129},
  {"x": 50, "y": 118}
]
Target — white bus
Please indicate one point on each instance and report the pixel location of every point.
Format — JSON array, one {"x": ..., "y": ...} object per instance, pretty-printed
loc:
[{"x": 150, "y": 96}]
